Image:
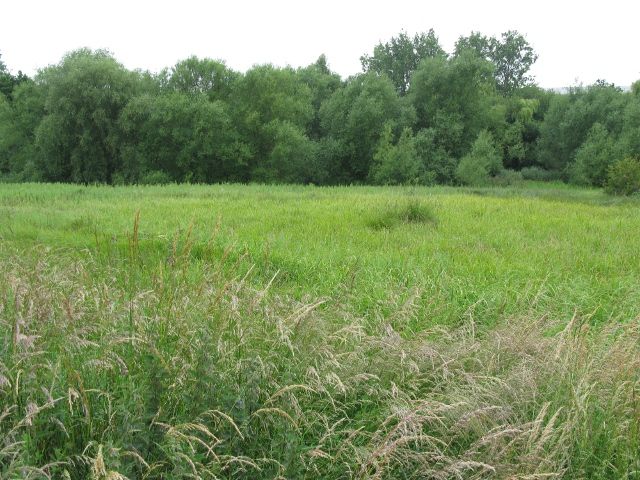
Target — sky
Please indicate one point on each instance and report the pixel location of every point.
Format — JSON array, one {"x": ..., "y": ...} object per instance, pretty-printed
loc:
[{"x": 577, "y": 42}]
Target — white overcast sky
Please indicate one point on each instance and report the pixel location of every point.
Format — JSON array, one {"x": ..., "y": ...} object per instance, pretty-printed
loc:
[{"x": 577, "y": 41}]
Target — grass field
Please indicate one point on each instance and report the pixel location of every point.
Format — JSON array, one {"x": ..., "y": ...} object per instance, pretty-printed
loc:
[{"x": 302, "y": 332}]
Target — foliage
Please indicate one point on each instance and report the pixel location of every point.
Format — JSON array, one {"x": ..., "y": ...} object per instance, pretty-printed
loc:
[
  {"x": 570, "y": 118},
  {"x": 188, "y": 138},
  {"x": 513, "y": 145},
  {"x": 538, "y": 174},
  {"x": 155, "y": 177},
  {"x": 6, "y": 124},
  {"x": 593, "y": 158},
  {"x": 292, "y": 159},
  {"x": 511, "y": 55},
  {"x": 396, "y": 164},
  {"x": 507, "y": 178},
  {"x": 481, "y": 163},
  {"x": 84, "y": 96},
  {"x": 477, "y": 43},
  {"x": 471, "y": 172},
  {"x": 455, "y": 97},
  {"x": 438, "y": 165},
  {"x": 355, "y": 117},
  {"x": 90, "y": 120},
  {"x": 521, "y": 130},
  {"x": 399, "y": 57},
  {"x": 266, "y": 94},
  {"x": 629, "y": 138},
  {"x": 8, "y": 81},
  {"x": 19, "y": 120},
  {"x": 201, "y": 77},
  {"x": 623, "y": 177},
  {"x": 322, "y": 83}
]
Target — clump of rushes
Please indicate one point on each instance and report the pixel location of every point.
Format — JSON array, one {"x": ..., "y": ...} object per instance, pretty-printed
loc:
[
  {"x": 129, "y": 366},
  {"x": 411, "y": 210}
]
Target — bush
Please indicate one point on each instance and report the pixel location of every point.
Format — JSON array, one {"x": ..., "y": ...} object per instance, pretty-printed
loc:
[
  {"x": 118, "y": 179},
  {"x": 624, "y": 177},
  {"x": 471, "y": 172},
  {"x": 395, "y": 164},
  {"x": 155, "y": 177},
  {"x": 539, "y": 174},
  {"x": 439, "y": 165},
  {"x": 507, "y": 177},
  {"x": 593, "y": 158},
  {"x": 292, "y": 157},
  {"x": 481, "y": 163}
]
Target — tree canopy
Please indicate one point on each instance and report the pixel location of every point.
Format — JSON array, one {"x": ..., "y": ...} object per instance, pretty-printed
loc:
[
  {"x": 511, "y": 55},
  {"x": 415, "y": 115},
  {"x": 399, "y": 57}
]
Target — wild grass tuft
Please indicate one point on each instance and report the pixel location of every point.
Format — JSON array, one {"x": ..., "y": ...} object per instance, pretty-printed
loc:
[{"x": 411, "y": 210}]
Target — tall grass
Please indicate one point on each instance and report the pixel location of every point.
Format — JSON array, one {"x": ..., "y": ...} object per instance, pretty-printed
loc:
[
  {"x": 408, "y": 211},
  {"x": 550, "y": 249},
  {"x": 122, "y": 363}
]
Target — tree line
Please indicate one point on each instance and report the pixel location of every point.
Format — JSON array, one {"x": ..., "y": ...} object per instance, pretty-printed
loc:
[{"x": 415, "y": 115}]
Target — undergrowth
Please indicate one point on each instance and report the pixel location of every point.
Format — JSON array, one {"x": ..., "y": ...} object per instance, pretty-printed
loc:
[{"x": 129, "y": 366}]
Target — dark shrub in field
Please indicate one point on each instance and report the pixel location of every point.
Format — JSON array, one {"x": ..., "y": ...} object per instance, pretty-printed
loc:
[
  {"x": 507, "y": 177},
  {"x": 481, "y": 163},
  {"x": 539, "y": 174},
  {"x": 624, "y": 177},
  {"x": 155, "y": 177}
]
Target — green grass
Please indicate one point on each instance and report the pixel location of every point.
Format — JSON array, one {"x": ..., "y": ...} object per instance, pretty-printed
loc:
[
  {"x": 498, "y": 251},
  {"x": 352, "y": 332}
]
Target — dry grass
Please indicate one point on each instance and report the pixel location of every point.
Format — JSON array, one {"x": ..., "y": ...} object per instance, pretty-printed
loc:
[{"x": 126, "y": 367}]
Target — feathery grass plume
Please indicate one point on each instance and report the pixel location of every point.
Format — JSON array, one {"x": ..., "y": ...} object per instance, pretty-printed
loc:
[{"x": 143, "y": 368}]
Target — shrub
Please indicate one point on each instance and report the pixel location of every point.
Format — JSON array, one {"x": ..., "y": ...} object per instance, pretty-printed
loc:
[
  {"x": 539, "y": 174},
  {"x": 481, "y": 163},
  {"x": 396, "y": 164},
  {"x": 292, "y": 157},
  {"x": 624, "y": 177},
  {"x": 155, "y": 177},
  {"x": 593, "y": 158},
  {"x": 471, "y": 172},
  {"x": 118, "y": 179},
  {"x": 507, "y": 177},
  {"x": 439, "y": 165}
]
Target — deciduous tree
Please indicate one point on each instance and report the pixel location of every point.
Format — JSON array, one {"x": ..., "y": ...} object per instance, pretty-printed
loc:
[
  {"x": 511, "y": 55},
  {"x": 85, "y": 94},
  {"x": 399, "y": 57},
  {"x": 396, "y": 164},
  {"x": 355, "y": 116},
  {"x": 186, "y": 137}
]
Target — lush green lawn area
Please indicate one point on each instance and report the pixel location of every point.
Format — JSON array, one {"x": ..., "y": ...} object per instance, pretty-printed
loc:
[
  {"x": 251, "y": 332},
  {"x": 491, "y": 253}
]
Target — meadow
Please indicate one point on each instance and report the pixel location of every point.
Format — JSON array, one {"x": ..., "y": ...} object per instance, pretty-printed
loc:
[{"x": 236, "y": 331}]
